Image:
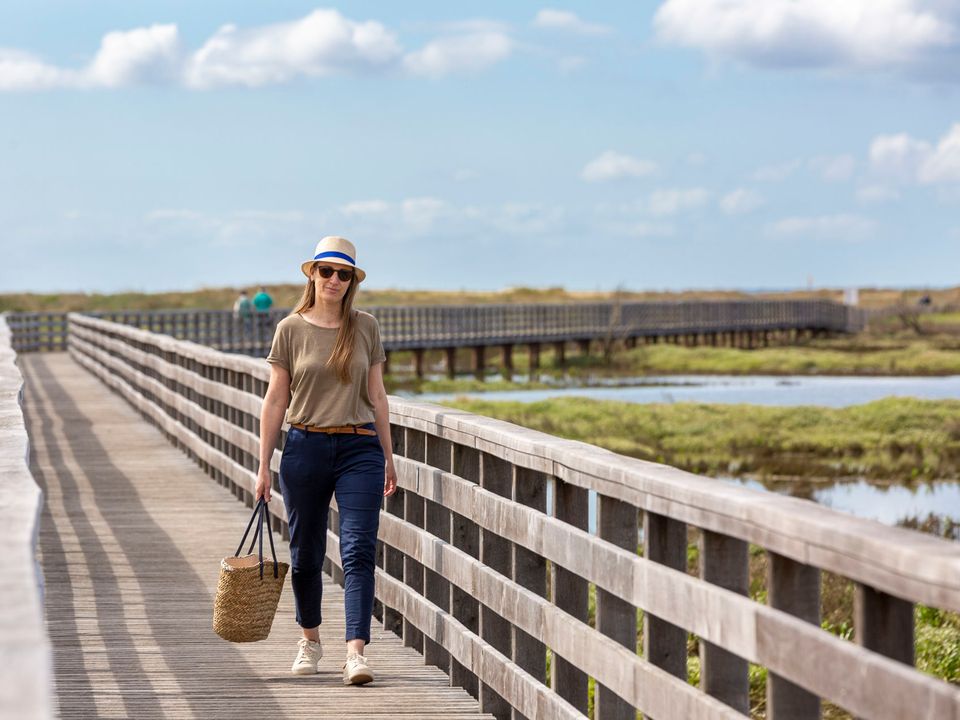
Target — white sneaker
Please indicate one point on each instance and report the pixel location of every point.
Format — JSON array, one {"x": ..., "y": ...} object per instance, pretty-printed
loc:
[
  {"x": 308, "y": 656},
  {"x": 355, "y": 670}
]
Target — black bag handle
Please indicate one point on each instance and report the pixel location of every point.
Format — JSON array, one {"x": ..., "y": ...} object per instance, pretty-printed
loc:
[{"x": 260, "y": 513}]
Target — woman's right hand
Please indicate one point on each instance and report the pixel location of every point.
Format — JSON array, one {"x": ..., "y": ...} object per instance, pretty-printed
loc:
[{"x": 263, "y": 485}]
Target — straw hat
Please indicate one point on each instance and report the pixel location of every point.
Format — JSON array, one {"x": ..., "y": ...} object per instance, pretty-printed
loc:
[{"x": 336, "y": 250}]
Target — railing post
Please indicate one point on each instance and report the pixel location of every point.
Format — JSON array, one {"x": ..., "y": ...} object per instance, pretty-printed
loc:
[
  {"x": 393, "y": 558},
  {"x": 724, "y": 561},
  {"x": 794, "y": 588},
  {"x": 529, "y": 571},
  {"x": 883, "y": 623},
  {"x": 413, "y": 514},
  {"x": 465, "y": 535},
  {"x": 616, "y": 618},
  {"x": 437, "y": 523},
  {"x": 665, "y": 644},
  {"x": 496, "y": 475},
  {"x": 570, "y": 594}
]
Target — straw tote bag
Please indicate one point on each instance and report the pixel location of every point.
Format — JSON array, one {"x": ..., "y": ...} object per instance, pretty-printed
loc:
[{"x": 246, "y": 599}]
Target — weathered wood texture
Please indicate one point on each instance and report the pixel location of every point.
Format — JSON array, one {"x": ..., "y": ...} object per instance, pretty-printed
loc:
[
  {"x": 172, "y": 382},
  {"x": 478, "y": 326},
  {"x": 24, "y": 650},
  {"x": 131, "y": 539}
]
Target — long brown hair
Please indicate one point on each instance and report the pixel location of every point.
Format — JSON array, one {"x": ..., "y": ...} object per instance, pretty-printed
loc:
[{"x": 343, "y": 348}]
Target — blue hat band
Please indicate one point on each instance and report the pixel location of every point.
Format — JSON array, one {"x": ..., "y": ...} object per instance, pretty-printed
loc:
[{"x": 335, "y": 254}]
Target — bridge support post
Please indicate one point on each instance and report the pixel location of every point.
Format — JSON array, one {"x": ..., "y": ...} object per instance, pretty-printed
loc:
[
  {"x": 616, "y": 618},
  {"x": 479, "y": 361},
  {"x": 560, "y": 353},
  {"x": 665, "y": 644},
  {"x": 724, "y": 561},
  {"x": 451, "y": 353},
  {"x": 584, "y": 346},
  {"x": 534, "y": 359},
  {"x": 496, "y": 475},
  {"x": 507, "y": 354},
  {"x": 570, "y": 594},
  {"x": 418, "y": 362},
  {"x": 794, "y": 588}
]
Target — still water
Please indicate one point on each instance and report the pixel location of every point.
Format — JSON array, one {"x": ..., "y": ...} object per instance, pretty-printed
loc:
[{"x": 828, "y": 391}]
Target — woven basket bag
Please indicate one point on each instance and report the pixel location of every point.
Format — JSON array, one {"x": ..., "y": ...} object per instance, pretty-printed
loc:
[{"x": 247, "y": 600}]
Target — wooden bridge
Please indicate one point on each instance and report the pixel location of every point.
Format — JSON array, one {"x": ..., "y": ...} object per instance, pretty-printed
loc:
[
  {"x": 486, "y": 571},
  {"x": 419, "y": 329}
]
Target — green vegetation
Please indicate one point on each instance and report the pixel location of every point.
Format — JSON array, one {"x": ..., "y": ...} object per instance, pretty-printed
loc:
[
  {"x": 893, "y": 438},
  {"x": 286, "y": 294}
]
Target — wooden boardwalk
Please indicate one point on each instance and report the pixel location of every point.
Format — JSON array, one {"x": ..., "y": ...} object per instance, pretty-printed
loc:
[{"x": 130, "y": 540}]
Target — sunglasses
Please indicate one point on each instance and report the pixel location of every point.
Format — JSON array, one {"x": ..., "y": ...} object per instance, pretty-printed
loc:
[{"x": 326, "y": 272}]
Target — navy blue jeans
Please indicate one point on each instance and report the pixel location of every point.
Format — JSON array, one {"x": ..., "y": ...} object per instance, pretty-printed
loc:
[{"x": 316, "y": 466}]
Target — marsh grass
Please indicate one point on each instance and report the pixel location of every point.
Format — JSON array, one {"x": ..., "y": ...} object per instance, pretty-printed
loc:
[{"x": 894, "y": 438}]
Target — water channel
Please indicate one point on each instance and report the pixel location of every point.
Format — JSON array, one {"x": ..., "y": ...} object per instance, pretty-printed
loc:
[{"x": 889, "y": 503}]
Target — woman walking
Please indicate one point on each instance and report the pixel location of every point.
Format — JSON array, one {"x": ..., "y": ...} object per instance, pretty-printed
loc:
[{"x": 326, "y": 381}]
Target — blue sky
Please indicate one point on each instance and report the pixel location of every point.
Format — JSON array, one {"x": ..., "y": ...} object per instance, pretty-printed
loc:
[{"x": 665, "y": 145}]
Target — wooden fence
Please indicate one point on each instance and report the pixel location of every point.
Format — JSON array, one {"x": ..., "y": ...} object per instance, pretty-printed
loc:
[
  {"x": 27, "y": 687},
  {"x": 487, "y": 565},
  {"x": 422, "y": 327}
]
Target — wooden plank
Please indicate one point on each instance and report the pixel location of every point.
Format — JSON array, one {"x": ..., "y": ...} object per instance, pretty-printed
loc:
[{"x": 131, "y": 570}]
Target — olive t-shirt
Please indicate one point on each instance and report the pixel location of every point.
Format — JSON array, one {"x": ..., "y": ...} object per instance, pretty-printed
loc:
[{"x": 317, "y": 396}]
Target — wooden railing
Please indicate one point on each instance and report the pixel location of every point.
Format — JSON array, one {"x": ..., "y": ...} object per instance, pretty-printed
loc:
[
  {"x": 487, "y": 564},
  {"x": 26, "y": 690},
  {"x": 407, "y": 327}
]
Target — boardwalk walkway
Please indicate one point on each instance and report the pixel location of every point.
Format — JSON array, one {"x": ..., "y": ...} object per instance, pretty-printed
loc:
[{"x": 130, "y": 542}]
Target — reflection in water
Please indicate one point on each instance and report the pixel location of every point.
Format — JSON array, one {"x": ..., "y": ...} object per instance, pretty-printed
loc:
[
  {"x": 755, "y": 389},
  {"x": 891, "y": 504}
]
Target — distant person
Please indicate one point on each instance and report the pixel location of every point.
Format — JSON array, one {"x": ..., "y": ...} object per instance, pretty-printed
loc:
[
  {"x": 925, "y": 300},
  {"x": 326, "y": 381},
  {"x": 261, "y": 303},
  {"x": 243, "y": 312}
]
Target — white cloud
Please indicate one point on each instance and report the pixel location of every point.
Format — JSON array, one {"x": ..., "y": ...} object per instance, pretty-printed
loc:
[
  {"x": 419, "y": 214},
  {"x": 870, "y": 34},
  {"x": 671, "y": 202},
  {"x": 459, "y": 53},
  {"x": 141, "y": 55},
  {"x": 845, "y": 227},
  {"x": 834, "y": 169},
  {"x": 644, "y": 230},
  {"x": 571, "y": 63},
  {"x": 741, "y": 201},
  {"x": 611, "y": 165},
  {"x": 564, "y": 20},
  {"x": 943, "y": 164},
  {"x": 365, "y": 207},
  {"x": 150, "y": 54},
  {"x": 906, "y": 159},
  {"x": 320, "y": 44},
  {"x": 465, "y": 175},
  {"x": 876, "y": 194},
  {"x": 777, "y": 173}
]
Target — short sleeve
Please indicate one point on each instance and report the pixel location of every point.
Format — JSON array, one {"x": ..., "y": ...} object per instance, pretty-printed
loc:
[
  {"x": 377, "y": 355},
  {"x": 280, "y": 349}
]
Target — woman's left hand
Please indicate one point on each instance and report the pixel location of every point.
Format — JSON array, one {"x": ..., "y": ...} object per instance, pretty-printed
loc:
[{"x": 390, "y": 480}]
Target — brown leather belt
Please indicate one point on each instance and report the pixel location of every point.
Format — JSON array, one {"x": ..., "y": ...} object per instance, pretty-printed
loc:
[{"x": 350, "y": 429}]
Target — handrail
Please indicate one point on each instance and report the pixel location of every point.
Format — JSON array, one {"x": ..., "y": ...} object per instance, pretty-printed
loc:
[
  {"x": 441, "y": 326},
  {"x": 467, "y": 544},
  {"x": 26, "y": 691}
]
